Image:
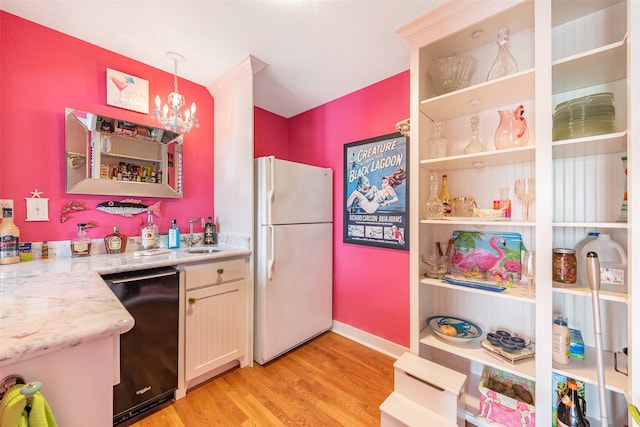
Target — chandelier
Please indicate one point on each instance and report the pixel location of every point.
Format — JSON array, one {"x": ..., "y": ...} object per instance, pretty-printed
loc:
[{"x": 170, "y": 117}]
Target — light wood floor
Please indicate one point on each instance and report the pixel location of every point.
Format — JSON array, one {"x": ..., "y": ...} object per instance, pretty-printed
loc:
[{"x": 330, "y": 381}]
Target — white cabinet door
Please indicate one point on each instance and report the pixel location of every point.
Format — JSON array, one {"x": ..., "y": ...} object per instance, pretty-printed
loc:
[
  {"x": 215, "y": 327},
  {"x": 218, "y": 309}
]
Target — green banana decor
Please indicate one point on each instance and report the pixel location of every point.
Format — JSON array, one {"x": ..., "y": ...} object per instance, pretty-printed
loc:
[{"x": 635, "y": 413}]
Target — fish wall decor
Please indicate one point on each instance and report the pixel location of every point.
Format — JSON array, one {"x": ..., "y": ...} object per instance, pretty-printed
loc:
[{"x": 128, "y": 207}]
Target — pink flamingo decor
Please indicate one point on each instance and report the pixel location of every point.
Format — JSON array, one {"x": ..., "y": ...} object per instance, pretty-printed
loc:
[{"x": 483, "y": 259}]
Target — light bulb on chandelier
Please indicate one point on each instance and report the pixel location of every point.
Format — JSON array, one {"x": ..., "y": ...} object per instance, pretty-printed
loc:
[{"x": 170, "y": 117}]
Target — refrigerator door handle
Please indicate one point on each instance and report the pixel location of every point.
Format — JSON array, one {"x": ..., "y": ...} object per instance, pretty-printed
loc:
[
  {"x": 272, "y": 179},
  {"x": 273, "y": 249}
]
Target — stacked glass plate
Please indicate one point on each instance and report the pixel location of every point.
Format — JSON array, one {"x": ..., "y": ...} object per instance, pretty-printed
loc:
[{"x": 584, "y": 116}]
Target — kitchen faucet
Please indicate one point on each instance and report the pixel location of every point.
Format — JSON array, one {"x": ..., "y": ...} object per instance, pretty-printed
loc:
[{"x": 192, "y": 240}]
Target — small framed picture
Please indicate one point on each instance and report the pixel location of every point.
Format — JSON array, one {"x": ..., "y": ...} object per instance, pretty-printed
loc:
[{"x": 126, "y": 91}]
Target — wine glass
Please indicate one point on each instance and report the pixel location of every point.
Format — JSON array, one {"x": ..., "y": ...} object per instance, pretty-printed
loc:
[
  {"x": 526, "y": 192},
  {"x": 529, "y": 269}
]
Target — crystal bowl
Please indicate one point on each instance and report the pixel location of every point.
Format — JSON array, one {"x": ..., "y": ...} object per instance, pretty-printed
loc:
[{"x": 451, "y": 73}]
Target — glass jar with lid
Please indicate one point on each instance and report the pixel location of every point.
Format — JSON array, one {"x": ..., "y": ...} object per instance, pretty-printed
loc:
[{"x": 565, "y": 266}]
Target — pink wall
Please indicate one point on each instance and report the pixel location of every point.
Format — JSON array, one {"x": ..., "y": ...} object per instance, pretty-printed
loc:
[
  {"x": 42, "y": 72},
  {"x": 271, "y": 135},
  {"x": 371, "y": 285}
]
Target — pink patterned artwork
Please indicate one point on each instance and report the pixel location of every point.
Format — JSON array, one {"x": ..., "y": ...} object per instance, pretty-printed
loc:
[{"x": 126, "y": 91}]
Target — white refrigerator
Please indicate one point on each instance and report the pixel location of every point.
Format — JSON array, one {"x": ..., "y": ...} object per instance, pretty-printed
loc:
[{"x": 294, "y": 250}]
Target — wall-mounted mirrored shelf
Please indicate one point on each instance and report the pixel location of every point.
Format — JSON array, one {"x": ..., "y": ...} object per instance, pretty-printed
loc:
[{"x": 114, "y": 157}]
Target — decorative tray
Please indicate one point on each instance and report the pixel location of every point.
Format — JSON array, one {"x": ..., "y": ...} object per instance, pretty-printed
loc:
[
  {"x": 485, "y": 286},
  {"x": 465, "y": 330},
  {"x": 525, "y": 353}
]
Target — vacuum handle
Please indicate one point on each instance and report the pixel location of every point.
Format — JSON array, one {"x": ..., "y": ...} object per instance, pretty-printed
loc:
[{"x": 593, "y": 271}]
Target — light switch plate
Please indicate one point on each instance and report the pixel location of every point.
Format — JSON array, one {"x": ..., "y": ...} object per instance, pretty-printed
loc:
[{"x": 37, "y": 209}]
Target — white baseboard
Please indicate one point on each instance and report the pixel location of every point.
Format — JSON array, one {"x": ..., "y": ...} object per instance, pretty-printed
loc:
[{"x": 374, "y": 342}]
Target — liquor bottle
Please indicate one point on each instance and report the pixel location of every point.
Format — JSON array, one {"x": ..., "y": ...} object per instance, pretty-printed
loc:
[
  {"x": 149, "y": 235},
  {"x": 504, "y": 63},
  {"x": 571, "y": 410},
  {"x": 173, "y": 236},
  {"x": 210, "y": 237},
  {"x": 475, "y": 145},
  {"x": 445, "y": 197},
  {"x": 116, "y": 242},
  {"x": 81, "y": 244},
  {"x": 9, "y": 238},
  {"x": 434, "y": 204}
]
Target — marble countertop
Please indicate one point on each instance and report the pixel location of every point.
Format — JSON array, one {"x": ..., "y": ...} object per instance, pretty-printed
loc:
[{"x": 53, "y": 304}]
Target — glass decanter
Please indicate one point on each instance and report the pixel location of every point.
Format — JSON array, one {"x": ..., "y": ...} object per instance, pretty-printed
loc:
[
  {"x": 504, "y": 64},
  {"x": 437, "y": 144},
  {"x": 475, "y": 145},
  {"x": 434, "y": 204}
]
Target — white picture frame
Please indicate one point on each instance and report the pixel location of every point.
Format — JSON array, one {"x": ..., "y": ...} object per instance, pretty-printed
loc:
[{"x": 127, "y": 91}]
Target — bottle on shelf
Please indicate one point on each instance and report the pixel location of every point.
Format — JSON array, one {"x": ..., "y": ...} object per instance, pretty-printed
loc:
[
  {"x": 571, "y": 409},
  {"x": 475, "y": 145},
  {"x": 561, "y": 339},
  {"x": 81, "y": 244},
  {"x": 613, "y": 263},
  {"x": 210, "y": 235},
  {"x": 149, "y": 235},
  {"x": 9, "y": 238},
  {"x": 504, "y": 64},
  {"x": 580, "y": 263},
  {"x": 434, "y": 204},
  {"x": 45, "y": 250},
  {"x": 116, "y": 242},
  {"x": 173, "y": 236},
  {"x": 437, "y": 144},
  {"x": 445, "y": 197}
]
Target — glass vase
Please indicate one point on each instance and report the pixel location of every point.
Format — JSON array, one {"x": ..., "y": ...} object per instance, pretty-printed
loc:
[
  {"x": 512, "y": 130},
  {"x": 437, "y": 144}
]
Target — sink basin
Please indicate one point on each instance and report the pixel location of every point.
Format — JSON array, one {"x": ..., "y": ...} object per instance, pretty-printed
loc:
[{"x": 203, "y": 250}]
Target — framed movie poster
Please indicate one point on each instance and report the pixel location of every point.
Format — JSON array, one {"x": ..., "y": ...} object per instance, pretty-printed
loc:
[{"x": 376, "y": 192}]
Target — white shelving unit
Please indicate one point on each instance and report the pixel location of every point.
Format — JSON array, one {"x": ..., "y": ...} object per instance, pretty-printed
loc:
[{"x": 579, "y": 182}]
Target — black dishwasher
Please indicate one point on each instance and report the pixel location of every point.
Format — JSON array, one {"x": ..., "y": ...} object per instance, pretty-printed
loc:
[{"x": 149, "y": 351}]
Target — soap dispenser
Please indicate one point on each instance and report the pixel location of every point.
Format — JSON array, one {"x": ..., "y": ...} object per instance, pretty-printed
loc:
[{"x": 173, "y": 235}]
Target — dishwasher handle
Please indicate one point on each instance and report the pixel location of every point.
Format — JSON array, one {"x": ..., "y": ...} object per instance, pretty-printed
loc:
[{"x": 143, "y": 277}]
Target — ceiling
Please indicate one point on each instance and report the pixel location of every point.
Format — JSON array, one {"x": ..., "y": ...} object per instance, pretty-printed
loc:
[{"x": 315, "y": 50}]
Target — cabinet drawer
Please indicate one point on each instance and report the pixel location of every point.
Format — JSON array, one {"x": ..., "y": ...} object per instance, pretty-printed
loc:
[{"x": 215, "y": 273}]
